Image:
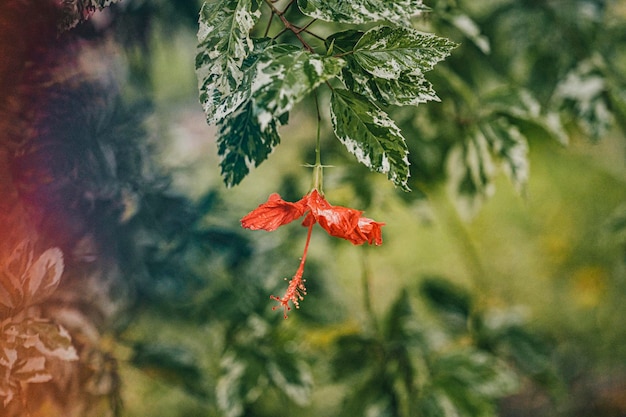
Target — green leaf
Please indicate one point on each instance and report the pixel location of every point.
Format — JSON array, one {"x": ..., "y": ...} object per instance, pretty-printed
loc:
[
  {"x": 407, "y": 85},
  {"x": 584, "y": 91},
  {"x": 522, "y": 109},
  {"x": 243, "y": 142},
  {"x": 400, "y": 325},
  {"x": 388, "y": 53},
  {"x": 48, "y": 338},
  {"x": 470, "y": 169},
  {"x": 472, "y": 381},
  {"x": 230, "y": 390},
  {"x": 224, "y": 43},
  {"x": 354, "y": 353},
  {"x": 447, "y": 297},
  {"x": 370, "y": 135},
  {"x": 470, "y": 29},
  {"x": 407, "y": 89},
  {"x": 274, "y": 79},
  {"x": 174, "y": 364},
  {"x": 508, "y": 144},
  {"x": 293, "y": 377},
  {"x": 398, "y": 12},
  {"x": 284, "y": 75}
]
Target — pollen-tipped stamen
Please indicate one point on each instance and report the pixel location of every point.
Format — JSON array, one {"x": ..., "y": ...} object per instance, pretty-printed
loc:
[{"x": 296, "y": 289}]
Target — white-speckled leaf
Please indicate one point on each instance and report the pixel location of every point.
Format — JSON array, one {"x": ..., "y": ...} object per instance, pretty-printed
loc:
[
  {"x": 511, "y": 149},
  {"x": 388, "y": 53},
  {"x": 243, "y": 144},
  {"x": 48, "y": 338},
  {"x": 407, "y": 89},
  {"x": 223, "y": 45},
  {"x": 285, "y": 74},
  {"x": 398, "y": 12},
  {"x": 370, "y": 135},
  {"x": 43, "y": 276},
  {"x": 75, "y": 11},
  {"x": 470, "y": 169}
]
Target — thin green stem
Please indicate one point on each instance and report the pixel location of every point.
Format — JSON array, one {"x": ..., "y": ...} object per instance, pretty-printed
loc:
[
  {"x": 366, "y": 284},
  {"x": 318, "y": 168}
]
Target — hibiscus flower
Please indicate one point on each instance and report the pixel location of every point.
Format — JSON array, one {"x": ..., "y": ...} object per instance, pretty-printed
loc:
[{"x": 338, "y": 221}]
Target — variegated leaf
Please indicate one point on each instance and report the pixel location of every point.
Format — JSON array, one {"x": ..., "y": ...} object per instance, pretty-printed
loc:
[
  {"x": 511, "y": 149},
  {"x": 24, "y": 282},
  {"x": 75, "y": 11},
  {"x": 398, "y": 12},
  {"x": 387, "y": 52},
  {"x": 50, "y": 339},
  {"x": 285, "y": 74},
  {"x": 243, "y": 143},
  {"x": 407, "y": 89},
  {"x": 32, "y": 370},
  {"x": 276, "y": 78},
  {"x": 370, "y": 135},
  {"x": 43, "y": 276},
  {"x": 470, "y": 169},
  {"x": 223, "y": 44}
]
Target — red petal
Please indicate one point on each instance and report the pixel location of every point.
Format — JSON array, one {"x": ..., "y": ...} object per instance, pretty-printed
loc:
[
  {"x": 274, "y": 213},
  {"x": 372, "y": 230},
  {"x": 343, "y": 222}
]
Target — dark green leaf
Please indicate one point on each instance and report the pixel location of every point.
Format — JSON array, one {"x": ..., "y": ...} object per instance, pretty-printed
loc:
[
  {"x": 224, "y": 43},
  {"x": 472, "y": 380},
  {"x": 399, "y": 12},
  {"x": 429, "y": 405},
  {"x": 369, "y": 134},
  {"x": 173, "y": 364},
  {"x": 446, "y": 297},
  {"x": 354, "y": 353},
  {"x": 401, "y": 324},
  {"x": 242, "y": 143},
  {"x": 293, "y": 377}
]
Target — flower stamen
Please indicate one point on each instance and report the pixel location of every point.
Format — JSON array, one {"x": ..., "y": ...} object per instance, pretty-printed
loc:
[{"x": 296, "y": 290}]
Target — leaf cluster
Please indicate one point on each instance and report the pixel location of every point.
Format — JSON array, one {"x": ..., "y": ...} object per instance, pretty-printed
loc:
[
  {"x": 522, "y": 72},
  {"x": 249, "y": 84},
  {"x": 458, "y": 368}
]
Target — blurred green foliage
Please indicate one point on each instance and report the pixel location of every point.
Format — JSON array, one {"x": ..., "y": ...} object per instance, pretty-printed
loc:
[
  {"x": 425, "y": 345},
  {"x": 517, "y": 311}
]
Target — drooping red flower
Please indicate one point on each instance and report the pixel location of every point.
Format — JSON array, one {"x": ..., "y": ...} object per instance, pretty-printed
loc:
[{"x": 338, "y": 221}]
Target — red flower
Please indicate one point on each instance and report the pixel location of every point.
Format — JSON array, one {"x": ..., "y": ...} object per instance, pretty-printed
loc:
[{"x": 338, "y": 221}]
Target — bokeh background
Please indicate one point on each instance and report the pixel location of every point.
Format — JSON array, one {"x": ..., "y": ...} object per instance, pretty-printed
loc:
[{"x": 492, "y": 294}]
